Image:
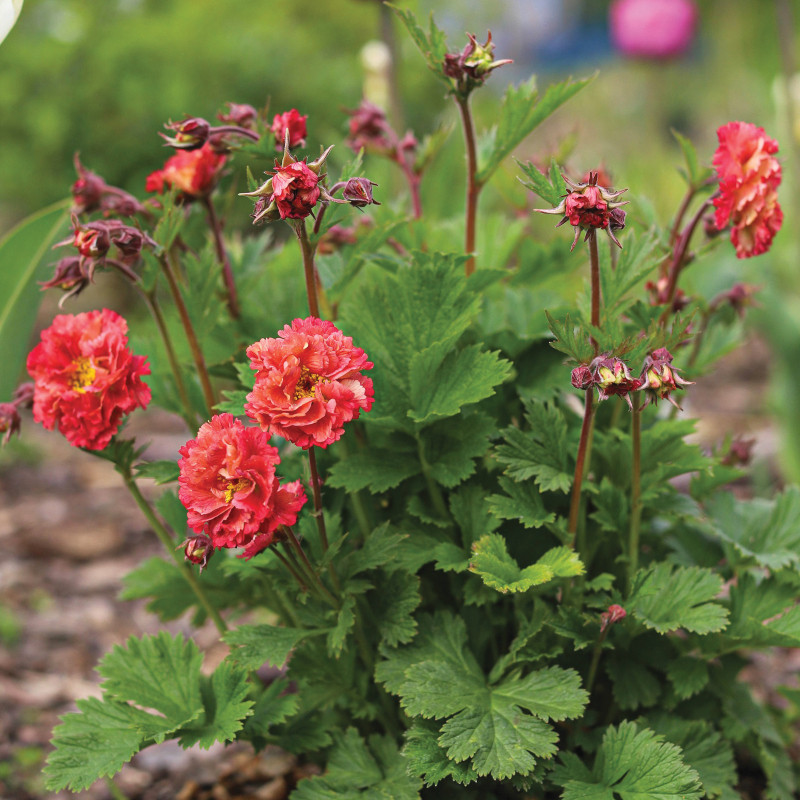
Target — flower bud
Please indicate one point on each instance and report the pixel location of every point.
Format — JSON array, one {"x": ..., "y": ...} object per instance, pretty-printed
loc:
[
  {"x": 9, "y": 421},
  {"x": 659, "y": 378},
  {"x": 739, "y": 453},
  {"x": 198, "y": 549},
  {"x": 293, "y": 123},
  {"x": 23, "y": 395},
  {"x": 70, "y": 275},
  {"x": 190, "y": 134},
  {"x": 370, "y": 130},
  {"x": 358, "y": 192},
  {"x": 88, "y": 189},
  {"x": 472, "y": 65},
  {"x": 612, "y": 377},
  {"x": 582, "y": 377},
  {"x": 614, "y": 614},
  {"x": 240, "y": 114}
]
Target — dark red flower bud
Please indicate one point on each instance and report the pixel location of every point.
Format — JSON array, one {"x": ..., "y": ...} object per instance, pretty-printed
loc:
[
  {"x": 9, "y": 421},
  {"x": 293, "y": 123},
  {"x": 358, "y": 192},
  {"x": 239, "y": 114},
  {"x": 190, "y": 134},
  {"x": 612, "y": 377},
  {"x": 659, "y": 378},
  {"x": 582, "y": 377},
  {"x": 198, "y": 549},
  {"x": 70, "y": 275},
  {"x": 370, "y": 130},
  {"x": 739, "y": 453},
  {"x": 91, "y": 242},
  {"x": 614, "y": 614},
  {"x": 472, "y": 65},
  {"x": 88, "y": 190},
  {"x": 23, "y": 395}
]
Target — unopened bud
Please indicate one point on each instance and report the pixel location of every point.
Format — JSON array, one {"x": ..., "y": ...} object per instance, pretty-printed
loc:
[
  {"x": 582, "y": 377},
  {"x": 9, "y": 421},
  {"x": 198, "y": 549},
  {"x": 239, "y": 114},
  {"x": 190, "y": 134},
  {"x": 358, "y": 192},
  {"x": 614, "y": 614}
]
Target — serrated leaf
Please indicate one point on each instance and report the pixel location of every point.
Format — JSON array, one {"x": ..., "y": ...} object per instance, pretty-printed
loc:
[
  {"x": 225, "y": 707},
  {"x": 439, "y": 388},
  {"x": 539, "y": 452},
  {"x": 522, "y": 110},
  {"x": 345, "y": 620},
  {"x": 666, "y": 598},
  {"x": 452, "y": 445},
  {"x": 91, "y": 744},
  {"x": 380, "y": 549},
  {"x": 274, "y": 706},
  {"x": 688, "y": 676},
  {"x": 570, "y": 339},
  {"x": 640, "y": 256},
  {"x": 522, "y": 502},
  {"x": 252, "y": 646},
  {"x": 764, "y": 532},
  {"x": 428, "y": 760},
  {"x": 542, "y": 183},
  {"x": 633, "y": 683},
  {"x": 394, "y": 605},
  {"x": 373, "y": 469},
  {"x": 159, "y": 471},
  {"x": 432, "y": 45},
  {"x": 471, "y": 513},
  {"x": 233, "y": 402},
  {"x": 631, "y": 764},
  {"x": 158, "y": 672}
]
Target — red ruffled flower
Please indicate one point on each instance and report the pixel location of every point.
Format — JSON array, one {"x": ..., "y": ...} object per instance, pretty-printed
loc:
[
  {"x": 292, "y": 121},
  {"x": 194, "y": 172},
  {"x": 749, "y": 177},
  {"x": 86, "y": 379},
  {"x": 228, "y": 484},
  {"x": 295, "y": 190},
  {"x": 288, "y": 500},
  {"x": 308, "y": 383}
]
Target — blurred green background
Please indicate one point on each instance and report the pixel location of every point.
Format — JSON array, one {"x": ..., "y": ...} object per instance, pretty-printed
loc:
[{"x": 100, "y": 77}]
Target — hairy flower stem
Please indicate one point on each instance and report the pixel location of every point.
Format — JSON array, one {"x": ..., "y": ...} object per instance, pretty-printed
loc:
[
  {"x": 191, "y": 336},
  {"x": 313, "y": 288},
  {"x": 319, "y": 515},
  {"x": 598, "y": 649},
  {"x": 222, "y": 255},
  {"x": 636, "y": 490},
  {"x": 295, "y": 570},
  {"x": 151, "y": 300},
  {"x": 594, "y": 260},
  {"x": 169, "y": 544},
  {"x": 679, "y": 255},
  {"x": 312, "y": 573},
  {"x": 473, "y": 187},
  {"x": 433, "y": 488}
]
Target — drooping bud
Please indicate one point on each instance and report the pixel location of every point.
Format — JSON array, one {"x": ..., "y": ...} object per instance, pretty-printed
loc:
[
  {"x": 190, "y": 134},
  {"x": 612, "y": 377},
  {"x": 9, "y": 421},
  {"x": 614, "y": 614},
  {"x": 582, "y": 377},
  {"x": 239, "y": 114},
  {"x": 70, "y": 276},
  {"x": 589, "y": 207},
  {"x": 198, "y": 549},
  {"x": 293, "y": 123},
  {"x": 659, "y": 378},
  {"x": 358, "y": 192},
  {"x": 739, "y": 297},
  {"x": 88, "y": 189}
]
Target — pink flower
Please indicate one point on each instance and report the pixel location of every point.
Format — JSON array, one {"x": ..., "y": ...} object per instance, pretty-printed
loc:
[
  {"x": 86, "y": 379},
  {"x": 652, "y": 28},
  {"x": 228, "y": 484},
  {"x": 193, "y": 172},
  {"x": 295, "y": 190},
  {"x": 295, "y": 123},
  {"x": 749, "y": 176},
  {"x": 308, "y": 383}
]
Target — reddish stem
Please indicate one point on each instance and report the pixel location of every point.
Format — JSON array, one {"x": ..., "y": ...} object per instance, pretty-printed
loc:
[
  {"x": 222, "y": 255},
  {"x": 308, "y": 266},
  {"x": 473, "y": 187},
  {"x": 577, "y": 482}
]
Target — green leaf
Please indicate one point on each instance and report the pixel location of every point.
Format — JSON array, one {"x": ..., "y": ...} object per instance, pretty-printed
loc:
[
  {"x": 666, "y": 598},
  {"x": 356, "y": 770},
  {"x": 570, "y": 339},
  {"x": 91, "y": 744},
  {"x": 471, "y": 513},
  {"x": 640, "y": 256},
  {"x": 432, "y": 45},
  {"x": 696, "y": 175},
  {"x": 490, "y": 560},
  {"x": 688, "y": 676},
  {"x": 252, "y": 646},
  {"x": 23, "y": 253},
  {"x": 763, "y": 532},
  {"x": 632, "y": 682},
  {"x": 158, "y": 672},
  {"x": 159, "y": 471},
  {"x": 521, "y": 112},
  {"x": 543, "y": 184},
  {"x": 345, "y": 620},
  {"x": 163, "y": 582},
  {"x": 274, "y": 706},
  {"x": 452, "y": 444},
  {"x": 540, "y": 452},
  {"x": 428, "y": 760},
  {"x": 522, "y": 502},
  {"x": 439, "y": 388},
  {"x": 225, "y": 707},
  {"x": 630, "y": 765},
  {"x": 393, "y": 606},
  {"x": 374, "y": 469}
]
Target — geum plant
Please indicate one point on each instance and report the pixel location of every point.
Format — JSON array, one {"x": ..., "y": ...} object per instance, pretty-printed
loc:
[{"x": 444, "y": 544}]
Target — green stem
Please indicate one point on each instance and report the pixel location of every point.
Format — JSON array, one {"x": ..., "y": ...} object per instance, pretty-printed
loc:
[
  {"x": 317, "y": 494},
  {"x": 636, "y": 491},
  {"x": 473, "y": 187},
  {"x": 189, "y": 417},
  {"x": 222, "y": 255},
  {"x": 598, "y": 648},
  {"x": 312, "y": 573},
  {"x": 278, "y": 603},
  {"x": 433, "y": 488},
  {"x": 290, "y": 562},
  {"x": 191, "y": 336},
  {"x": 169, "y": 544}
]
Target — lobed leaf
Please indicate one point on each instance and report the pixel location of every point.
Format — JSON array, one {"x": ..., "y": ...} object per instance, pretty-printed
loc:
[{"x": 522, "y": 502}]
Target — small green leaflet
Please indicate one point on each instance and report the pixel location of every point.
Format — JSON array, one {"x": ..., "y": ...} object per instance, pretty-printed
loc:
[
  {"x": 255, "y": 645},
  {"x": 570, "y": 339},
  {"x": 666, "y": 598},
  {"x": 428, "y": 760},
  {"x": 521, "y": 501},
  {"x": 550, "y": 187},
  {"x": 695, "y": 175},
  {"x": 688, "y": 676},
  {"x": 630, "y": 765},
  {"x": 632, "y": 682},
  {"x": 159, "y": 471},
  {"x": 274, "y": 706},
  {"x": 432, "y": 45},
  {"x": 490, "y": 560}
]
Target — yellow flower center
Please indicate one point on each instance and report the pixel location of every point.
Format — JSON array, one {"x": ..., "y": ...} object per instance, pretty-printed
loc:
[
  {"x": 307, "y": 382},
  {"x": 231, "y": 487},
  {"x": 83, "y": 374}
]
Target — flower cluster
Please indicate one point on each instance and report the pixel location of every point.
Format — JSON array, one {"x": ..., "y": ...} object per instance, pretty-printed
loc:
[
  {"x": 612, "y": 376},
  {"x": 749, "y": 176},
  {"x": 309, "y": 383},
  {"x": 229, "y": 488},
  {"x": 85, "y": 377},
  {"x": 193, "y": 172},
  {"x": 91, "y": 193},
  {"x": 588, "y": 207}
]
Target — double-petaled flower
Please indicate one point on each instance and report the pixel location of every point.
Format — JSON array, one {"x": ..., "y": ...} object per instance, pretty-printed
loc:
[
  {"x": 749, "y": 176},
  {"x": 86, "y": 379},
  {"x": 229, "y": 487},
  {"x": 309, "y": 383},
  {"x": 193, "y": 172}
]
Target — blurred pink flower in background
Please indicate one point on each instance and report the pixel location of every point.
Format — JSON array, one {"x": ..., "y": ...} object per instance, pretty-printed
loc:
[{"x": 652, "y": 28}]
